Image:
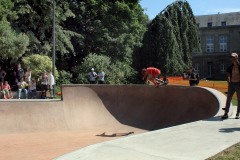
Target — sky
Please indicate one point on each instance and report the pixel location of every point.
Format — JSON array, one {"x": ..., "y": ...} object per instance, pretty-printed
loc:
[{"x": 199, "y": 7}]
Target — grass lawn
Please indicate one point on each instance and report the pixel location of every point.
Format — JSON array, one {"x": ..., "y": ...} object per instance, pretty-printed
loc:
[{"x": 233, "y": 152}]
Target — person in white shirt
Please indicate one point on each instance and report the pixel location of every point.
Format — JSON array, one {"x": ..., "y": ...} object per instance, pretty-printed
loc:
[
  {"x": 28, "y": 75},
  {"x": 92, "y": 76},
  {"x": 51, "y": 83}
]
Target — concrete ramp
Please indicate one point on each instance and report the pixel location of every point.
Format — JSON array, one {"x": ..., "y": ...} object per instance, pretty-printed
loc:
[
  {"x": 89, "y": 110},
  {"x": 143, "y": 107}
]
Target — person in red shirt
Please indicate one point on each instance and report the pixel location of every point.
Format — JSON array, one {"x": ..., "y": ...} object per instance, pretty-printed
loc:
[
  {"x": 6, "y": 90},
  {"x": 150, "y": 74}
]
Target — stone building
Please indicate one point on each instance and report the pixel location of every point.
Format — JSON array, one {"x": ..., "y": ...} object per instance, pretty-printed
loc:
[{"x": 219, "y": 37}]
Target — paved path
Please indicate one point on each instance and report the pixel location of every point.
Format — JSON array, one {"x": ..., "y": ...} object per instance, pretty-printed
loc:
[{"x": 198, "y": 140}]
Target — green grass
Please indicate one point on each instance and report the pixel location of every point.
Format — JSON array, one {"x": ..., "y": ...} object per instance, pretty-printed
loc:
[
  {"x": 57, "y": 89},
  {"x": 232, "y": 153}
]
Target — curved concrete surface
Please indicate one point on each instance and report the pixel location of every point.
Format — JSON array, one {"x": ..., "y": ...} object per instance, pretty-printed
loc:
[
  {"x": 197, "y": 140},
  {"x": 40, "y": 127}
]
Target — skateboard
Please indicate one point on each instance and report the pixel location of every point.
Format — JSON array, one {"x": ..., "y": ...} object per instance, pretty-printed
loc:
[{"x": 161, "y": 82}]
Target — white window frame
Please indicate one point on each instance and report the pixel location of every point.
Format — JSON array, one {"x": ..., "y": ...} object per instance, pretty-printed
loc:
[
  {"x": 223, "y": 43},
  {"x": 210, "y": 44},
  {"x": 196, "y": 68},
  {"x": 222, "y": 68}
]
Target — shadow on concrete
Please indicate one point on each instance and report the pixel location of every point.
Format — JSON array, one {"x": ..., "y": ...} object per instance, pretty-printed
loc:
[
  {"x": 114, "y": 134},
  {"x": 229, "y": 130},
  {"x": 217, "y": 118}
]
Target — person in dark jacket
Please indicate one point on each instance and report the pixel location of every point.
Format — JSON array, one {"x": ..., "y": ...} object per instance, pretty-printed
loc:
[
  {"x": 192, "y": 77},
  {"x": 233, "y": 78}
]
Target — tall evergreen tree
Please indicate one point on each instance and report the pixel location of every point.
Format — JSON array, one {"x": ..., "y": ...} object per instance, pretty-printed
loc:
[{"x": 170, "y": 40}]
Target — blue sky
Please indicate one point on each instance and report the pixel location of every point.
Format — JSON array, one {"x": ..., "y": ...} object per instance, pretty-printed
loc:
[{"x": 199, "y": 7}]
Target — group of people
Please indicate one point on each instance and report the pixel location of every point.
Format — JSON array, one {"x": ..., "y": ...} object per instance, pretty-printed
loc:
[
  {"x": 96, "y": 77},
  {"x": 26, "y": 83}
]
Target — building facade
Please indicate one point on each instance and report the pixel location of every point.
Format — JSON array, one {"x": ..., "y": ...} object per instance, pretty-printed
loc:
[{"x": 219, "y": 37}]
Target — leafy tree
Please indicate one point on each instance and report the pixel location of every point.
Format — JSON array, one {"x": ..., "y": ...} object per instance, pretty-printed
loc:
[
  {"x": 12, "y": 44},
  {"x": 38, "y": 64},
  {"x": 35, "y": 18},
  {"x": 111, "y": 28}
]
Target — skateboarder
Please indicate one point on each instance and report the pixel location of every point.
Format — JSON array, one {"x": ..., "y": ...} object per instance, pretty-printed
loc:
[{"x": 150, "y": 74}]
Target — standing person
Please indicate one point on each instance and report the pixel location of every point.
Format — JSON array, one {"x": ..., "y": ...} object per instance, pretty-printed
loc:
[
  {"x": 151, "y": 74},
  {"x": 22, "y": 86},
  {"x": 192, "y": 77},
  {"x": 28, "y": 75},
  {"x": 233, "y": 79},
  {"x": 32, "y": 89},
  {"x": 2, "y": 76},
  {"x": 51, "y": 83},
  {"x": 44, "y": 83},
  {"x": 92, "y": 76},
  {"x": 101, "y": 76},
  {"x": 18, "y": 73}
]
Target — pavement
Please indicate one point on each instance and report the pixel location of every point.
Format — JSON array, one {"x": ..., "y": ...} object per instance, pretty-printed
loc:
[
  {"x": 96, "y": 122},
  {"x": 198, "y": 140}
]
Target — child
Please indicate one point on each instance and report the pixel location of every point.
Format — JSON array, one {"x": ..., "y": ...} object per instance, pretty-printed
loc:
[
  {"x": 33, "y": 89},
  {"x": 6, "y": 90},
  {"x": 22, "y": 85}
]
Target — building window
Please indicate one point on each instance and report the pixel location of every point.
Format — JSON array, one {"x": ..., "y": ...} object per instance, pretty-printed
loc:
[
  {"x": 209, "y": 44},
  {"x": 223, "y": 23},
  {"x": 223, "y": 43},
  {"x": 222, "y": 68},
  {"x": 209, "y": 24},
  {"x": 209, "y": 65},
  {"x": 196, "y": 68}
]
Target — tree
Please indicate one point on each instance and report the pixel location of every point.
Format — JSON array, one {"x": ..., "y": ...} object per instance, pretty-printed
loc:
[
  {"x": 12, "y": 44},
  {"x": 35, "y": 19},
  {"x": 170, "y": 40},
  {"x": 111, "y": 28}
]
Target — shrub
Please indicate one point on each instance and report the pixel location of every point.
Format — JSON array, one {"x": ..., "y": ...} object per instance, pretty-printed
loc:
[
  {"x": 116, "y": 73},
  {"x": 38, "y": 63},
  {"x": 64, "y": 77}
]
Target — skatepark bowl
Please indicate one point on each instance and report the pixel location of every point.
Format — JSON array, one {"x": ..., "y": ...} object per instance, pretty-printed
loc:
[{"x": 90, "y": 114}]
